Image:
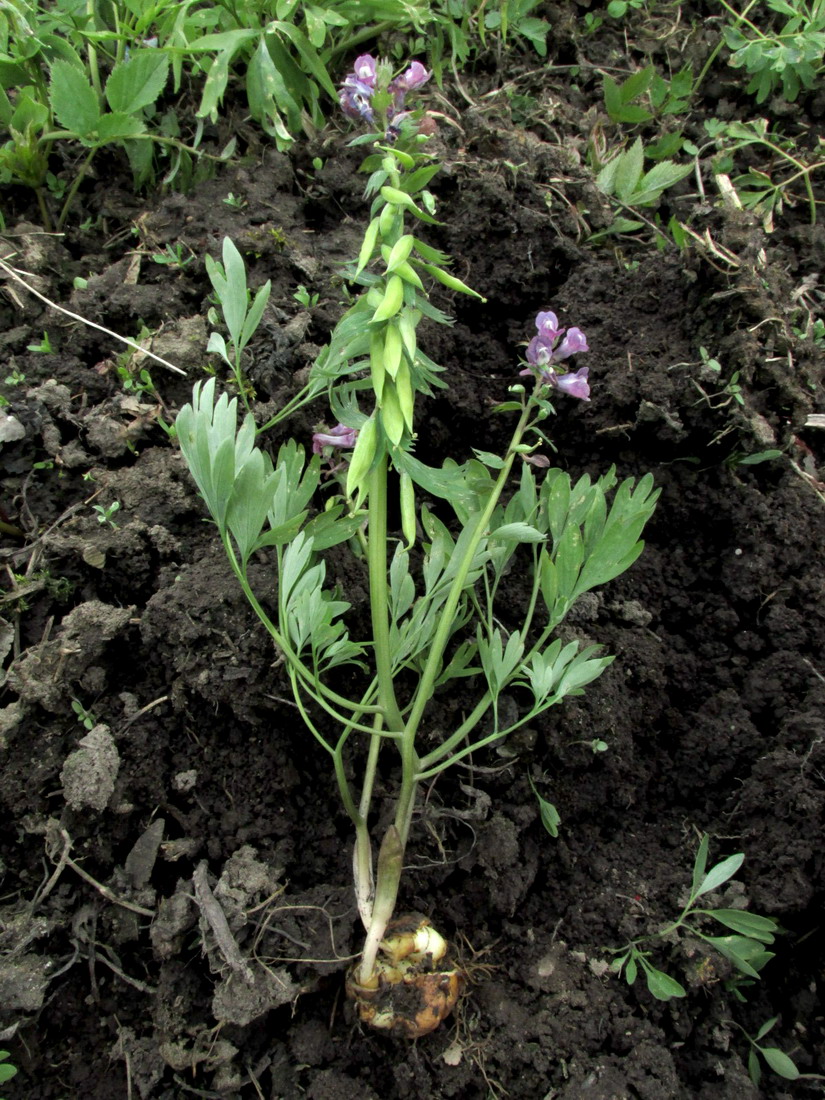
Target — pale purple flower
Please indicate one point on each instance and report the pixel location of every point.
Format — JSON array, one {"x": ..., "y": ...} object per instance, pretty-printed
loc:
[
  {"x": 548, "y": 326},
  {"x": 574, "y": 342},
  {"x": 547, "y": 348},
  {"x": 369, "y": 76},
  {"x": 364, "y": 70},
  {"x": 415, "y": 77},
  {"x": 574, "y": 385},
  {"x": 340, "y": 437},
  {"x": 358, "y": 88},
  {"x": 355, "y": 97},
  {"x": 539, "y": 353}
]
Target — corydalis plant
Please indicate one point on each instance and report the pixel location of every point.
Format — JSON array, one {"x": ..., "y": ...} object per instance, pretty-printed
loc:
[{"x": 461, "y": 525}]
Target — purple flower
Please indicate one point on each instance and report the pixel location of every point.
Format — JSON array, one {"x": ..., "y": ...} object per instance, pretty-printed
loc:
[
  {"x": 412, "y": 79},
  {"x": 369, "y": 76},
  {"x": 355, "y": 97},
  {"x": 575, "y": 341},
  {"x": 574, "y": 385},
  {"x": 546, "y": 348},
  {"x": 539, "y": 353},
  {"x": 358, "y": 87},
  {"x": 364, "y": 70},
  {"x": 340, "y": 436},
  {"x": 408, "y": 81},
  {"x": 548, "y": 326}
]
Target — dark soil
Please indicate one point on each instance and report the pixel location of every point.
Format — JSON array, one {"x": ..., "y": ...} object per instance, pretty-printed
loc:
[{"x": 198, "y": 770}]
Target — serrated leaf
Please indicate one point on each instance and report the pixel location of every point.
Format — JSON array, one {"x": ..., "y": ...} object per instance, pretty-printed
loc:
[
  {"x": 137, "y": 82},
  {"x": 637, "y": 84},
  {"x": 73, "y": 99},
  {"x": 661, "y": 176},
  {"x": 629, "y": 170},
  {"x": 118, "y": 127},
  {"x": 612, "y": 98}
]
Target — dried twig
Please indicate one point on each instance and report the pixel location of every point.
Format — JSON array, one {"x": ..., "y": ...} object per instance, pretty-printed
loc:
[
  {"x": 13, "y": 273},
  {"x": 216, "y": 919}
]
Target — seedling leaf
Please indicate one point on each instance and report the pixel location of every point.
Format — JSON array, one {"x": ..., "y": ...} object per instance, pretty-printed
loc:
[
  {"x": 748, "y": 924},
  {"x": 549, "y": 814},
  {"x": 765, "y": 1028},
  {"x": 780, "y": 1063},
  {"x": 720, "y": 873},
  {"x": 662, "y": 986}
]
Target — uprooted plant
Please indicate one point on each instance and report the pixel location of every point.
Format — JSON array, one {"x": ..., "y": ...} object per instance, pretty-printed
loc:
[{"x": 451, "y": 621}]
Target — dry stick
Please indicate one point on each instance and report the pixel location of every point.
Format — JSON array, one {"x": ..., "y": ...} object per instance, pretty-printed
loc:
[
  {"x": 142, "y": 711},
  {"x": 44, "y": 892},
  {"x": 216, "y": 919},
  {"x": 13, "y": 273},
  {"x": 66, "y": 861},
  {"x": 136, "y": 982}
]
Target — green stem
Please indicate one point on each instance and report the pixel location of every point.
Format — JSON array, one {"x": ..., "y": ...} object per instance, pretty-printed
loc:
[
  {"x": 76, "y": 182},
  {"x": 307, "y": 394},
  {"x": 426, "y": 685},
  {"x": 362, "y": 855},
  {"x": 44, "y": 210},
  {"x": 379, "y": 593},
  {"x": 91, "y": 53},
  {"x": 482, "y": 706},
  {"x": 390, "y": 868},
  {"x": 320, "y": 692}
]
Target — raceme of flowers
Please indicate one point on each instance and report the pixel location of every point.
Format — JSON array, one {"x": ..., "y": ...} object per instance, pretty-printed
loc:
[
  {"x": 367, "y": 77},
  {"x": 553, "y": 345}
]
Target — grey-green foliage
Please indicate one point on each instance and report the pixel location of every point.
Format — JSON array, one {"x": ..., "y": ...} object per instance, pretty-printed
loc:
[
  {"x": 743, "y": 944},
  {"x": 256, "y": 504},
  {"x": 576, "y": 541},
  {"x": 789, "y": 57},
  {"x": 241, "y": 316}
]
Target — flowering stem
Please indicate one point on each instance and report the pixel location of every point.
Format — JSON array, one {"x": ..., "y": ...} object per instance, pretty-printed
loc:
[
  {"x": 427, "y": 684},
  {"x": 379, "y": 600}
]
